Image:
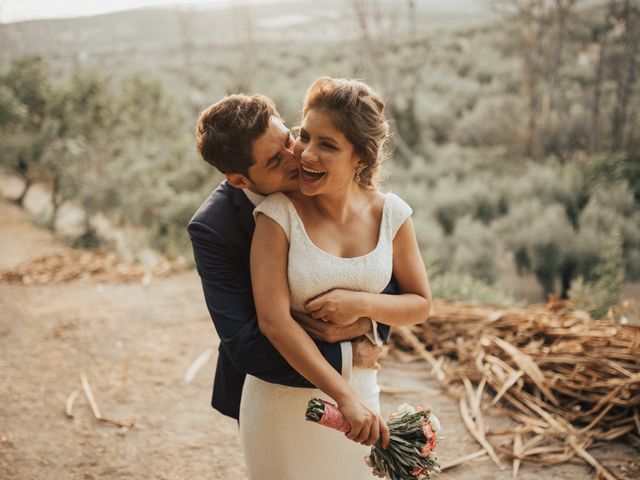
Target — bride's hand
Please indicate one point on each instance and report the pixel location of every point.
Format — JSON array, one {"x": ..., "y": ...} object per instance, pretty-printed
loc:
[
  {"x": 342, "y": 307},
  {"x": 367, "y": 427}
]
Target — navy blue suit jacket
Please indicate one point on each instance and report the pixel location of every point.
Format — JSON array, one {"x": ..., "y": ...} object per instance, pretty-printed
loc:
[{"x": 221, "y": 232}]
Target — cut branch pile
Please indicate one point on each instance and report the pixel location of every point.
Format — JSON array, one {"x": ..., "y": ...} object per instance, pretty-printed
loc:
[
  {"x": 74, "y": 265},
  {"x": 570, "y": 381}
]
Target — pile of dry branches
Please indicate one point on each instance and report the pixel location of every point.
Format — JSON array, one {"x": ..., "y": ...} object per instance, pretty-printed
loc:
[
  {"x": 570, "y": 381},
  {"x": 75, "y": 264}
]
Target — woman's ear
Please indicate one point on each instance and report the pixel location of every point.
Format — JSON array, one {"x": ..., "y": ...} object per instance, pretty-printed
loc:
[
  {"x": 238, "y": 180},
  {"x": 356, "y": 162}
]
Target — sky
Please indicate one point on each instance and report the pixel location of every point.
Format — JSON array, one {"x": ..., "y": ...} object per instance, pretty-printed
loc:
[{"x": 17, "y": 10}]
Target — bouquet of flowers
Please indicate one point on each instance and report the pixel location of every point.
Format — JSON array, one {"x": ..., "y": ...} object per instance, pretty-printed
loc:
[{"x": 413, "y": 439}]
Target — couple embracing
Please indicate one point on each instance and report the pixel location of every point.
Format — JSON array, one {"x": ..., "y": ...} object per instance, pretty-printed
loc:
[{"x": 305, "y": 265}]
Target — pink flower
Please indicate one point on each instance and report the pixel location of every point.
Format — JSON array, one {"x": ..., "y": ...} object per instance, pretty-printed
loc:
[
  {"x": 419, "y": 471},
  {"x": 426, "y": 450},
  {"x": 430, "y": 439}
]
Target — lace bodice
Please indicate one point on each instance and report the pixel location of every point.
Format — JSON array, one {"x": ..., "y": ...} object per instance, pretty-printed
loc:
[{"x": 312, "y": 271}]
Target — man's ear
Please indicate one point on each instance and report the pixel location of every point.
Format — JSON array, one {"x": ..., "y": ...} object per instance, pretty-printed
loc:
[{"x": 238, "y": 180}]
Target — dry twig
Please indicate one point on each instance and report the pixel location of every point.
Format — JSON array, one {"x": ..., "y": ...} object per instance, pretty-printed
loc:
[
  {"x": 197, "y": 364},
  {"x": 94, "y": 405},
  {"x": 568, "y": 380},
  {"x": 69, "y": 403}
]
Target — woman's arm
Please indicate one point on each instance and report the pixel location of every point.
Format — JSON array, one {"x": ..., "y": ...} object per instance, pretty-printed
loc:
[
  {"x": 226, "y": 283},
  {"x": 269, "y": 252},
  {"x": 411, "y": 306}
]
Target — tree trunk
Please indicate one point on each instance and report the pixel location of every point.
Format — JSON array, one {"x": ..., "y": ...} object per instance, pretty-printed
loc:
[
  {"x": 531, "y": 89},
  {"x": 603, "y": 44},
  {"x": 567, "y": 275},
  {"x": 55, "y": 202},
  {"x": 532, "y": 14},
  {"x": 186, "y": 47},
  {"x": 27, "y": 185},
  {"x": 626, "y": 79},
  {"x": 547, "y": 282},
  {"x": 594, "y": 138},
  {"x": 376, "y": 40},
  {"x": 563, "y": 9}
]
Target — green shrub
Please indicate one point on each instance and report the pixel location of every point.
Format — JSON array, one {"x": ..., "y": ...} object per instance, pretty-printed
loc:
[
  {"x": 603, "y": 290},
  {"x": 542, "y": 240},
  {"x": 493, "y": 121},
  {"x": 463, "y": 287},
  {"x": 475, "y": 250}
]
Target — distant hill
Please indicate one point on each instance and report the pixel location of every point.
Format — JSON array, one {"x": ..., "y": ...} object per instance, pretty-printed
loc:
[
  {"x": 202, "y": 52},
  {"x": 166, "y": 29}
]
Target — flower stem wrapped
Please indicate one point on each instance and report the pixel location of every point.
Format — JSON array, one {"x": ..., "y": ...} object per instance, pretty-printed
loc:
[{"x": 413, "y": 439}]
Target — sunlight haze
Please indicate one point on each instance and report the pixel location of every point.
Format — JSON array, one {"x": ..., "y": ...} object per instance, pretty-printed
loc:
[{"x": 19, "y": 10}]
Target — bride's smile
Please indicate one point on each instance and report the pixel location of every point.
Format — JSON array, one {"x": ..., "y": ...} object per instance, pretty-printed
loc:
[{"x": 326, "y": 158}]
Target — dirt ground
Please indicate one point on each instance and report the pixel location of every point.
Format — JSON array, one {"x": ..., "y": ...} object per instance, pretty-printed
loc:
[{"x": 135, "y": 342}]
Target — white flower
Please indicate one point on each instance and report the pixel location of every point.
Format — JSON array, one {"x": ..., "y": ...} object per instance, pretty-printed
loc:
[
  {"x": 435, "y": 423},
  {"x": 405, "y": 409}
]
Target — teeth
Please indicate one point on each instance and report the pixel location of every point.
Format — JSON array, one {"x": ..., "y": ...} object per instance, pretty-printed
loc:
[{"x": 311, "y": 170}]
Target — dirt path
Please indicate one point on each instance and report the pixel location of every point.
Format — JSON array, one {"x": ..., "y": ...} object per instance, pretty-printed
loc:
[{"x": 135, "y": 343}]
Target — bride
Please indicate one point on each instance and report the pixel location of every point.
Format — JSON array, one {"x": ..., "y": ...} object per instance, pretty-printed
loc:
[{"x": 328, "y": 250}]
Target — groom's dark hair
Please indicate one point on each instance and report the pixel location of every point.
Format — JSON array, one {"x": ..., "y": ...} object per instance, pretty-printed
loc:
[{"x": 227, "y": 129}]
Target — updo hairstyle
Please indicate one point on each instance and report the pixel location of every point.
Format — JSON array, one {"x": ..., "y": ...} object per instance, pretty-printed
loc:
[{"x": 358, "y": 112}]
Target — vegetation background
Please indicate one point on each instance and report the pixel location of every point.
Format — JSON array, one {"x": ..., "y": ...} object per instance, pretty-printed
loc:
[{"x": 516, "y": 126}]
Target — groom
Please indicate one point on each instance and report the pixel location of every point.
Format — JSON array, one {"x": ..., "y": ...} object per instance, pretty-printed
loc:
[{"x": 245, "y": 139}]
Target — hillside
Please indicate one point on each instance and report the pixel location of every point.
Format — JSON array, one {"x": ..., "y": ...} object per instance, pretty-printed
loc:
[{"x": 193, "y": 47}]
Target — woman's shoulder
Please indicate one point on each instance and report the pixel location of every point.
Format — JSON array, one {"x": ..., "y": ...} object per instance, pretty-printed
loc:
[
  {"x": 395, "y": 202},
  {"x": 274, "y": 205},
  {"x": 398, "y": 211},
  {"x": 277, "y": 207},
  {"x": 274, "y": 200},
  {"x": 276, "y": 197},
  {"x": 388, "y": 202}
]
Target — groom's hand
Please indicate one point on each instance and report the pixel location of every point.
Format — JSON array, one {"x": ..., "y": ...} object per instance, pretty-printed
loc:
[
  {"x": 365, "y": 353},
  {"x": 330, "y": 332}
]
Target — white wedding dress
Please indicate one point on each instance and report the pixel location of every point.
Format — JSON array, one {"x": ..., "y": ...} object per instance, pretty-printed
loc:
[{"x": 278, "y": 443}]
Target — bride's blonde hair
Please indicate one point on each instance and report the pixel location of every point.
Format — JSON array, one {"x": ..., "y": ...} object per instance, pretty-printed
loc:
[{"x": 358, "y": 112}]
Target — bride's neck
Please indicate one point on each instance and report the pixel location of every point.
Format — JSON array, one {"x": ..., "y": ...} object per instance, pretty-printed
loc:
[{"x": 340, "y": 205}]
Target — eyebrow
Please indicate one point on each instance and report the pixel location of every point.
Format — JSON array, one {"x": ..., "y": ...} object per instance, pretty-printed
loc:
[{"x": 331, "y": 139}]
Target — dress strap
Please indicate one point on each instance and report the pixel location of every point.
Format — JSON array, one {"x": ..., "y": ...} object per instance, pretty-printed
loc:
[
  {"x": 279, "y": 208},
  {"x": 398, "y": 211}
]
